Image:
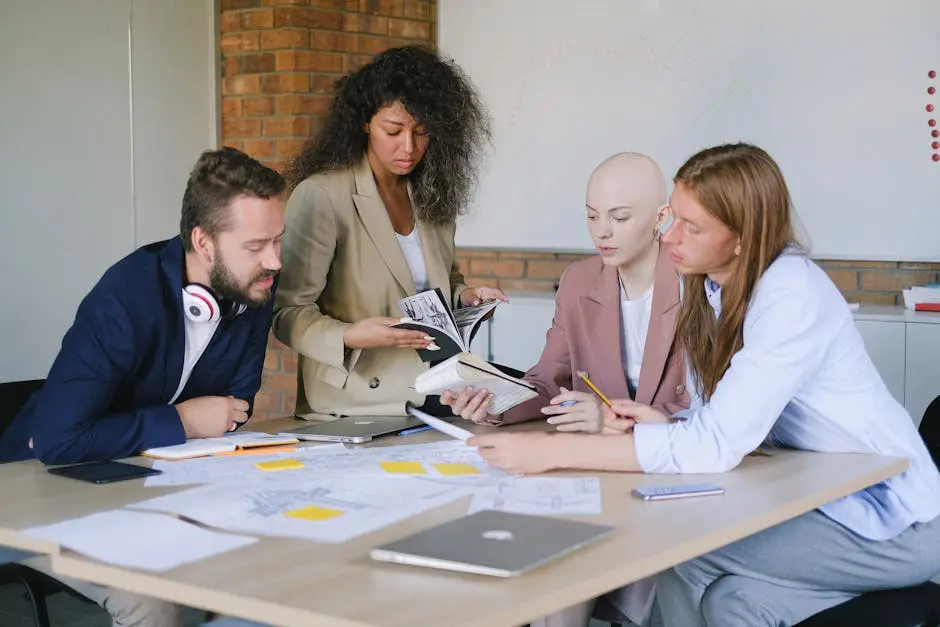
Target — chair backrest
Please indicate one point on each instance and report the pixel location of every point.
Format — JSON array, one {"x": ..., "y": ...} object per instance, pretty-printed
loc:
[
  {"x": 930, "y": 429},
  {"x": 13, "y": 397}
]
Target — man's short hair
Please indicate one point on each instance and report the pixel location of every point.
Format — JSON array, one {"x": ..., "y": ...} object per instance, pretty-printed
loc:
[{"x": 218, "y": 177}]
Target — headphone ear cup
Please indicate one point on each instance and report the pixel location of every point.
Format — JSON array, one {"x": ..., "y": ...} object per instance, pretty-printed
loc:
[{"x": 199, "y": 305}]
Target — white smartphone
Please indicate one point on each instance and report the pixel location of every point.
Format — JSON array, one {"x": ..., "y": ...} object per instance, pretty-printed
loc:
[{"x": 661, "y": 493}]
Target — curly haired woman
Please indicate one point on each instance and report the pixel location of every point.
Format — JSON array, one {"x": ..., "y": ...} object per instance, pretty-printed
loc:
[{"x": 370, "y": 220}]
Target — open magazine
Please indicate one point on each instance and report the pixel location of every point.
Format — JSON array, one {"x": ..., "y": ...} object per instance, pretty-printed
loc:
[
  {"x": 452, "y": 331},
  {"x": 466, "y": 369}
]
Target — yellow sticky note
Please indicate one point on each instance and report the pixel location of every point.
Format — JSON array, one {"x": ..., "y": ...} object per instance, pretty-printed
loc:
[
  {"x": 411, "y": 468},
  {"x": 312, "y": 512},
  {"x": 457, "y": 469},
  {"x": 280, "y": 464}
]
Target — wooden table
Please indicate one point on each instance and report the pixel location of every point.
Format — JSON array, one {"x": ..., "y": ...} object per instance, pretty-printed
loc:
[{"x": 296, "y": 583}]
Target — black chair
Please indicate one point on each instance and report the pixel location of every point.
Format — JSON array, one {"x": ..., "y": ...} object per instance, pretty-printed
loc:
[
  {"x": 37, "y": 586},
  {"x": 904, "y": 607}
]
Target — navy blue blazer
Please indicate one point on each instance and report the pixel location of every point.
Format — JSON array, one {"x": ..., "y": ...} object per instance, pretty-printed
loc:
[{"x": 121, "y": 361}]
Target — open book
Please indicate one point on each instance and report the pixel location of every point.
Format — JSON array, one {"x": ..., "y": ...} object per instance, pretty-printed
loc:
[
  {"x": 452, "y": 331},
  {"x": 203, "y": 447},
  {"x": 466, "y": 369}
]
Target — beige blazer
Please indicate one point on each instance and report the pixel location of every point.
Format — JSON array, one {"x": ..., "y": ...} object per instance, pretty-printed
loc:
[
  {"x": 585, "y": 335},
  {"x": 342, "y": 263}
]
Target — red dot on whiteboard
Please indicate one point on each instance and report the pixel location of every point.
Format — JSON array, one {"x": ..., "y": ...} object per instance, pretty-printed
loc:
[
  {"x": 932, "y": 74},
  {"x": 935, "y": 157},
  {"x": 935, "y": 133},
  {"x": 931, "y": 90},
  {"x": 935, "y": 145},
  {"x": 931, "y": 122}
]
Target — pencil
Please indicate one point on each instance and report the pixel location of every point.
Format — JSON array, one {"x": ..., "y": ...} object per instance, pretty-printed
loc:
[{"x": 600, "y": 395}]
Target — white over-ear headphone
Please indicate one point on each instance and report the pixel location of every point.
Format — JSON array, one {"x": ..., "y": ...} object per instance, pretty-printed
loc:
[{"x": 201, "y": 305}]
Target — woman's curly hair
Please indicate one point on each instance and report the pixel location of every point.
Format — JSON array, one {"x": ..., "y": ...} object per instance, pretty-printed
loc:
[{"x": 439, "y": 96}]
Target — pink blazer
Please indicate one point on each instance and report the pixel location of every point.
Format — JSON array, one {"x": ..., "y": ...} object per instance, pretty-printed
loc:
[{"x": 585, "y": 335}]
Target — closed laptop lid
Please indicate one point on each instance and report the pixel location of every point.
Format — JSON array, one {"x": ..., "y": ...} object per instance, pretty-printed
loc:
[
  {"x": 358, "y": 426},
  {"x": 489, "y": 542}
]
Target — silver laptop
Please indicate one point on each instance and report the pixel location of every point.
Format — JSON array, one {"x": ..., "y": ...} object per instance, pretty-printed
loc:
[
  {"x": 354, "y": 429},
  {"x": 489, "y": 542}
]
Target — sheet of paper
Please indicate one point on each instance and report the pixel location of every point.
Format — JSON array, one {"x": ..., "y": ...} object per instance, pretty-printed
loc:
[
  {"x": 541, "y": 495},
  {"x": 452, "y": 459},
  {"x": 441, "y": 425},
  {"x": 142, "y": 540},
  {"x": 330, "y": 509},
  {"x": 243, "y": 469}
]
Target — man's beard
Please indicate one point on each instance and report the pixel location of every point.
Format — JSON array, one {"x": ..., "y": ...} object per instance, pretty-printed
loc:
[{"x": 227, "y": 287}]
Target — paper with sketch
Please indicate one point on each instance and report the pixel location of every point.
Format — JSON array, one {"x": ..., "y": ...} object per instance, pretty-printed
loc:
[
  {"x": 541, "y": 495},
  {"x": 451, "y": 459},
  {"x": 244, "y": 469},
  {"x": 142, "y": 540},
  {"x": 331, "y": 509}
]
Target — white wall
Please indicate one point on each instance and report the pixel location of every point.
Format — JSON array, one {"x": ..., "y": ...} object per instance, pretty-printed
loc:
[
  {"x": 81, "y": 184},
  {"x": 835, "y": 91}
]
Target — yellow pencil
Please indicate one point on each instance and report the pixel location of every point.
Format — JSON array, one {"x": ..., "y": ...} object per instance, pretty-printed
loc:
[{"x": 600, "y": 395}]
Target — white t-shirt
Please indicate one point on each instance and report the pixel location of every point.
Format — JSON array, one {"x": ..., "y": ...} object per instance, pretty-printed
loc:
[
  {"x": 635, "y": 320},
  {"x": 414, "y": 256},
  {"x": 198, "y": 335}
]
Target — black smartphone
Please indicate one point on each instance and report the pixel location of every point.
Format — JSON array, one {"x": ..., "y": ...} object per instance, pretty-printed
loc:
[{"x": 104, "y": 472}]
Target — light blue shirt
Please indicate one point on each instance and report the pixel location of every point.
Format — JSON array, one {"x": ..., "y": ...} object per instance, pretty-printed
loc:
[{"x": 803, "y": 380}]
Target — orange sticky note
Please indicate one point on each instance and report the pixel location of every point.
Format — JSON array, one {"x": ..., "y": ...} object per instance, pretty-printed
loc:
[
  {"x": 313, "y": 512},
  {"x": 411, "y": 468},
  {"x": 456, "y": 469},
  {"x": 280, "y": 464}
]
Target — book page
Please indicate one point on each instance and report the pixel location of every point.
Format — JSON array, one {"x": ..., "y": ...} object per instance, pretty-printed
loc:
[
  {"x": 468, "y": 319},
  {"x": 467, "y": 370},
  {"x": 431, "y": 308}
]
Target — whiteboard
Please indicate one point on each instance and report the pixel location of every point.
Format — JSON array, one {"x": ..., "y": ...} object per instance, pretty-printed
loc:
[
  {"x": 836, "y": 91},
  {"x": 105, "y": 107}
]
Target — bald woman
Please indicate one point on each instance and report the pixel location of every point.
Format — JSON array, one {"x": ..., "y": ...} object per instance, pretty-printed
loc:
[{"x": 615, "y": 317}]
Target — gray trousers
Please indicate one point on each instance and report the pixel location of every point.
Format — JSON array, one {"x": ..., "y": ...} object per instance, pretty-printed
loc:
[
  {"x": 126, "y": 608},
  {"x": 785, "y": 574}
]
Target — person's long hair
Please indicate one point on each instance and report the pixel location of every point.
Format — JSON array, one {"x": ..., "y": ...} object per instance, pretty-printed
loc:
[
  {"x": 743, "y": 187},
  {"x": 440, "y": 97}
]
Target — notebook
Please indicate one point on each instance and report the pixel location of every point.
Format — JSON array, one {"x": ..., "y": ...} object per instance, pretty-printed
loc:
[
  {"x": 499, "y": 544},
  {"x": 466, "y": 369},
  {"x": 452, "y": 331},
  {"x": 203, "y": 447}
]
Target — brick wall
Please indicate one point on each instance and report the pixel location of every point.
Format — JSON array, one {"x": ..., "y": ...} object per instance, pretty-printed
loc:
[
  {"x": 280, "y": 59},
  {"x": 870, "y": 282}
]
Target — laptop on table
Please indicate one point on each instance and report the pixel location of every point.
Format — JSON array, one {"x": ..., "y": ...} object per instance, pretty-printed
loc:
[
  {"x": 489, "y": 542},
  {"x": 354, "y": 429}
]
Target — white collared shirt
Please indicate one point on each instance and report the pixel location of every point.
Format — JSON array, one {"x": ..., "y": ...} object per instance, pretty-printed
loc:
[
  {"x": 198, "y": 335},
  {"x": 804, "y": 379}
]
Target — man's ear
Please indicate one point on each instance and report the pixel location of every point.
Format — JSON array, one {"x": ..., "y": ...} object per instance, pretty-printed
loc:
[{"x": 203, "y": 244}]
